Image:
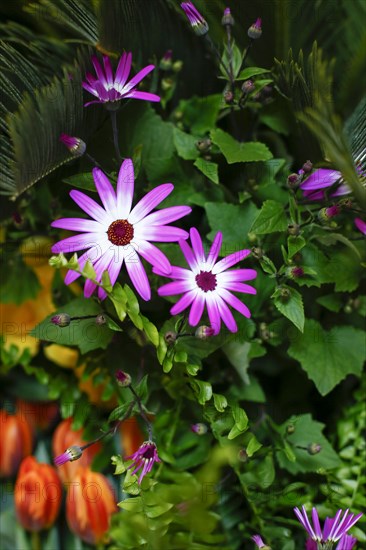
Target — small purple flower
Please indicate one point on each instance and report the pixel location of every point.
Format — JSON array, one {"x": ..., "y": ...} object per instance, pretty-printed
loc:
[
  {"x": 75, "y": 145},
  {"x": 119, "y": 233},
  {"x": 361, "y": 225},
  {"x": 108, "y": 88},
  {"x": 198, "y": 23},
  {"x": 313, "y": 186},
  {"x": 208, "y": 283},
  {"x": 334, "y": 528},
  {"x": 199, "y": 428},
  {"x": 145, "y": 458},
  {"x": 123, "y": 378},
  {"x": 259, "y": 542},
  {"x": 255, "y": 30},
  {"x": 71, "y": 454}
]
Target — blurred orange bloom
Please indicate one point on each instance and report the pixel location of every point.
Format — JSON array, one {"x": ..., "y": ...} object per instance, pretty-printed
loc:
[
  {"x": 63, "y": 438},
  {"x": 40, "y": 414},
  {"x": 38, "y": 495},
  {"x": 90, "y": 503},
  {"x": 16, "y": 442},
  {"x": 132, "y": 436}
]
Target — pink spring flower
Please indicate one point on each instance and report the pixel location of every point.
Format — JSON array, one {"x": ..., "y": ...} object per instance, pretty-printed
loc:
[
  {"x": 323, "y": 178},
  {"x": 361, "y": 225},
  {"x": 345, "y": 543},
  {"x": 119, "y": 233},
  {"x": 259, "y": 542},
  {"x": 208, "y": 283},
  {"x": 108, "y": 88},
  {"x": 145, "y": 458},
  {"x": 334, "y": 529}
]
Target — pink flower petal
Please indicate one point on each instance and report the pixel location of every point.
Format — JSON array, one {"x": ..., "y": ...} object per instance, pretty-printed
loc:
[
  {"x": 150, "y": 201},
  {"x": 213, "y": 312},
  {"x": 196, "y": 311},
  {"x": 77, "y": 242},
  {"x": 123, "y": 70},
  {"x": 177, "y": 287},
  {"x": 153, "y": 255},
  {"x": 230, "y": 260},
  {"x": 197, "y": 246},
  {"x": 163, "y": 234},
  {"x": 91, "y": 207},
  {"x": 214, "y": 251},
  {"x": 99, "y": 70},
  {"x": 105, "y": 191},
  {"x": 320, "y": 179},
  {"x": 237, "y": 275},
  {"x": 138, "y": 276},
  {"x": 125, "y": 188},
  {"x": 184, "y": 302},
  {"x": 240, "y": 287},
  {"x": 78, "y": 224},
  {"x": 108, "y": 70},
  {"x": 138, "y": 77},
  {"x": 189, "y": 256},
  {"x": 226, "y": 314},
  {"x": 361, "y": 225},
  {"x": 147, "y": 96},
  {"x": 167, "y": 215}
]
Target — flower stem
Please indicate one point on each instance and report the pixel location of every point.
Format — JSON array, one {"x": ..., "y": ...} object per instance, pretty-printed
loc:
[
  {"x": 142, "y": 412},
  {"x": 115, "y": 135},
  {"x": 247, "y": 51},
  {"x": 230, "y": 55},
  {"x": 217, "y": 53},
  {"x": 35, "y": 540}
]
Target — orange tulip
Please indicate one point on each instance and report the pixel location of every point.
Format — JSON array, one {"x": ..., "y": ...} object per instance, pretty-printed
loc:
[
  {"x": 63, "y": 438},
  {"x": 90, "y": 502},
  {"x": 40, "y": 414},
  {"x": 132, "y": 436},
  {"x": 16, "y": 441},
  {"x": 38, "y": 495}
]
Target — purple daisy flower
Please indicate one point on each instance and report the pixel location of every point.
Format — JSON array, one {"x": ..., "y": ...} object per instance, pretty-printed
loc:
[
  {"x": 334, "y": 528},
  {"x": 259, "y": 542},
  {"x": 208, "y": 283},
  {"x": 361, "y": 225},
  {"x": 345, "y": 543},
  {"x": 108, "y": 88},
  {"x": 313, "y": 186},
  {"x": 71, "y": 454},
  {"x": 198, "y": 23},
  {"x": 118, "y": 234},
  {"x": 145, "y": 458}
]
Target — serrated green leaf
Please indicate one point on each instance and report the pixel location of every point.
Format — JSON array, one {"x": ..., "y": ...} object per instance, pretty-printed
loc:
[
  {"x": 329, "y": 356},
  {"x": 292, "y": 307},
  {"x": 235, "y": 151},
  {"x": 208, "y": 168},
  {"x": 294, "y": 244},
  {"x": 271, "y": 218},
  {"x": 185, "y": 145}
]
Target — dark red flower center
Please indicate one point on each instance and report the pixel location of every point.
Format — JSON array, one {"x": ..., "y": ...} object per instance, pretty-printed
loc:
[
  {"x": 206, "y": 281},
  {"x": 120, "y": 232},
  {"x": 149, "y": 452}
]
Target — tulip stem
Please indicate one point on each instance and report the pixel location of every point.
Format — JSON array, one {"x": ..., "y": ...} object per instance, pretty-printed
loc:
[{"x": 35, "y": 540}]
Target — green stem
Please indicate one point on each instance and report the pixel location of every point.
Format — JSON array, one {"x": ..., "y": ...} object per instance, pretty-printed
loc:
[
  {"x": 142, "y": 412},
  {"x": 36, "y": 540},
  {"x": 115, "y": 135}
]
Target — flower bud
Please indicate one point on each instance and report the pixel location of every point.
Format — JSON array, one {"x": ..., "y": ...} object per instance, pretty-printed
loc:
[
  {"x": 228, "y": 96},
  {"x": 170, "y": 337},
  {"x": 290, "y": 429},
  {"x": 294, "y": 272},
  {"x": 199, "y": 429},
  {"x": 204, "y": 145},
  {"x": 37, "y": 496},
  {"x": 177, "y": 66},
  {"x": 166, "y": 84},
  {"x": 307, "y": 167},
  {"x": 198, "y": 23},
  {"x": 66, "y": 438},
  {"x": 257, "y": 252},
  {"x": 255, "y": 30},
  {"x": 16, "y": 442},
  {"x": 166, "y": 61},
  {"x": 75, "y": 145},
  {"x": 293, "y": 229},
  {"x": 70, "y": 455},
  {"x": 285, "y": 294},
  {"x": 123, "y": 379},
  {"x": 293, "y": 181},
  {"x": 90, "y": 503},
  {"x": 326, "y": 214},
  {"x": 314, "y": 448},
  {"x": 61, "y": 320},
  {"x": 100, "y": 319},
  {"x": 203, "y": 332},
  {"x": 243, "y": 455},
  {"x": 247, "y": 86},
  {"x": 227, "y": 18}
]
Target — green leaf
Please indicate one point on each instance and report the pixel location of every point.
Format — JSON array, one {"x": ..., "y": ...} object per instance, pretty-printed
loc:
[
  {"x": 292, "y": 307},
  {"x": 253, "y": 446},
  {"x": 307, "y": 431},
  {"x": 234, "y": 151},
  {"x": 18, "y": 282},
  {"x": 208, "y": 168},
  {"x": 220, "y": 402},
  {"x": 328, "y": 357},
  {"x": 333, "y": 302},
  {"x": 248, "y": 72},
  {"x": 89, "y": 271},
  {"x": 200, "y": 113},
  {"x": 150, "y": 330},
  {"x": 185, "y": 145},
  {"x": 119, "y": 298},
  {"x": 83, "y": 181},
  {"x": 83, "y": 333},
  {"x": 240, "y": 417},
  {"x": 294, "y": 244},
  {"x": 271, "y": 218},
  {"x": 220, "y": 217},
  {"x": 203, "y": 390}
]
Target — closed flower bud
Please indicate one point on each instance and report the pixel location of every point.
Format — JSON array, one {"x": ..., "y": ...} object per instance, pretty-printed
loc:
[
  {"x": 38, "y": 495},
  {"x": 294, "y": 272},
  {"x": 314, "y": 448},
  {"x": 228, "y": 96},
  {"x": 198, "y": 23},
  {"x": 257, "y": 252},
  {"x": 204, "y": 145},
  {"x": 293, "y": 181},
  {"x": 66, "y": 438},
  {"x": 255, "y": 30},
  {"x": 75, "y": 145},
  {"x": 177, "y": 66},
  {"x": 61, "y": 320},
  {"x": 166, "y": 84},
  {"x": 307, "y": 166},
  {"x": 199, "y": 429},
  {"x": 290, "y": 429},
  {"x": 326, "y": 214},
  {"x": 243, "y": 455},
  {"x": 70, "y": 455},
  {"x": 227, "y": 18},
  {"x": 247, "y": 86},
  {"x": 293, "y": 229},
  {"x": 166, "y": 61},
  {"x": 123, "y": 379},
  {"x": 203, "y": 332},
  {"x": 100, "y": 319},
  {"x": 16, "y": 441},
  {"x": 90, "y": 503},
  {"x": 170, "y": 337},
  {"x": 285, "y": 294}
]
